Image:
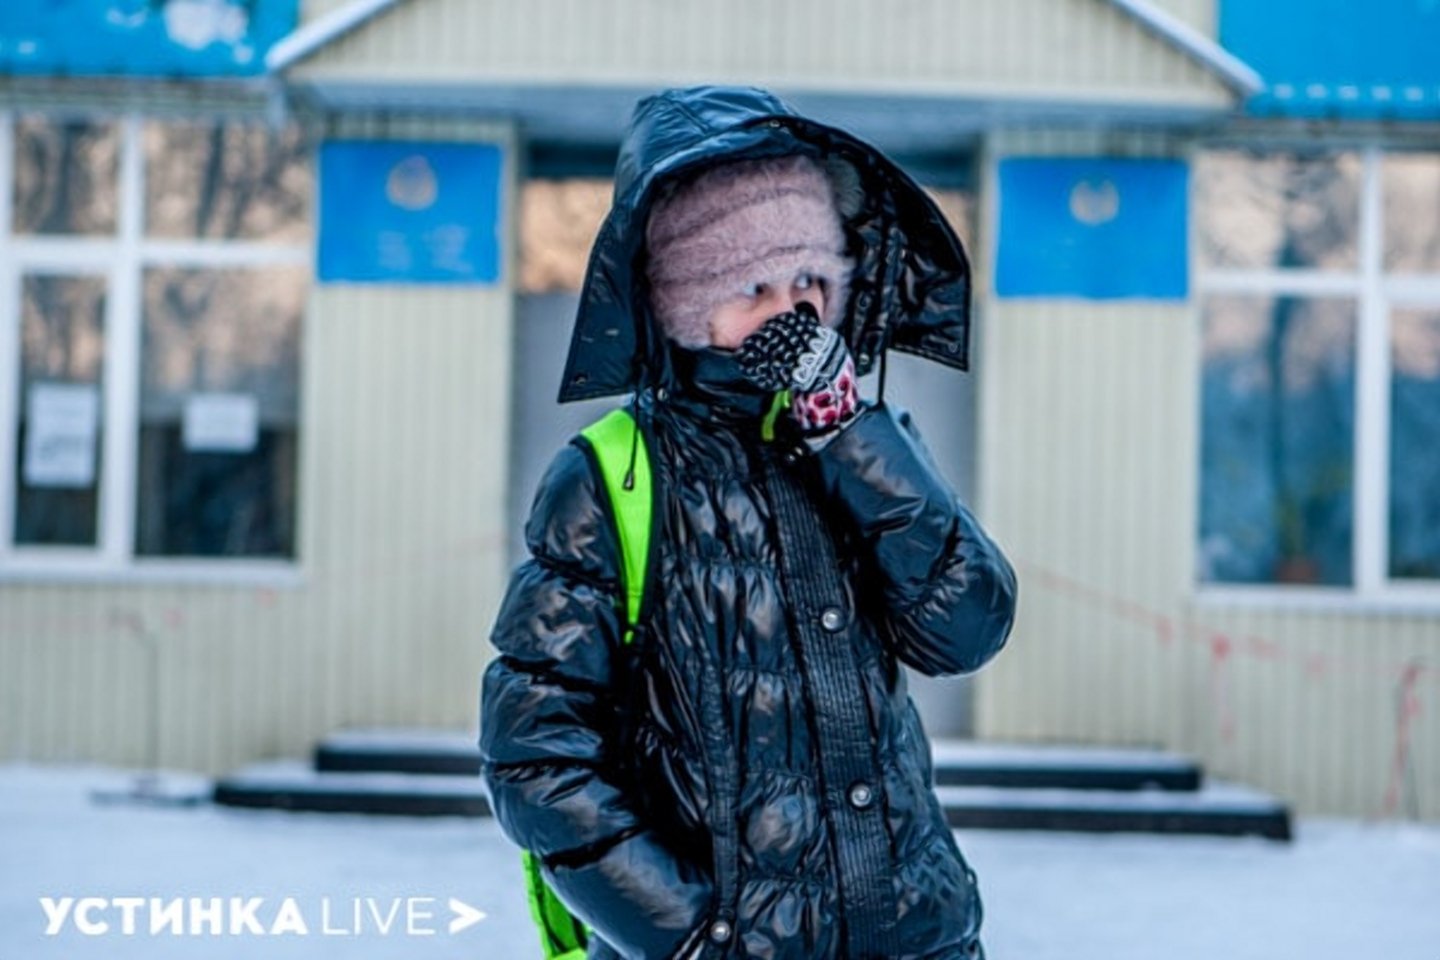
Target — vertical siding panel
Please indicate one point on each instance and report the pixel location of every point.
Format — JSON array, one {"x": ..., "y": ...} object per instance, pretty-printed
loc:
[
  {"x": 1341, "y": 720},
  {"x": 1139, "y": 528},
  {"x": 415, "y": 640},
  {"x": 392, "y": 451},
  {"x": 42, "y": 648},
  {"x": 14, "y": 648},
  {"x": 233, "y": 672},
  {"x": 61, "y": 667},
  {"x": 205, "y": 658},
  {"x": 50, "y": 709},
  {"x": 1159, "y": 385},
  {"x": 1050, "y": 625},
  {"x": 88, "y": 683},
  {"x": 1295, "y": 711},
  {"x": 333, "y": 473},
  {"x": 1322, "y": 729},
  {"x": 226, "y": 661},
  {"x": 1102, "y": 362},
  {"x": 1348, "y": 717}
]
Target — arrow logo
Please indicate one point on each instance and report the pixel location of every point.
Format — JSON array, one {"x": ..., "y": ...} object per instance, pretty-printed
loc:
[{"x": 465, "y": 915}]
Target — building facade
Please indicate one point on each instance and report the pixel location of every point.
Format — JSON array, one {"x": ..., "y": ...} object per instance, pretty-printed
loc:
[{"x": 280, "y": 337}]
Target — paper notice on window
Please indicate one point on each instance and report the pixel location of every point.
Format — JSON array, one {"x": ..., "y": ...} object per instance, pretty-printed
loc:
[
  {"x": 221, "y": 423},
  {"x": 62, "y": 421}
]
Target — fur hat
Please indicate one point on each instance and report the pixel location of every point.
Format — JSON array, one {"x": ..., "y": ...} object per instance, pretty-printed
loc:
[{"x": 740, "y": 223}]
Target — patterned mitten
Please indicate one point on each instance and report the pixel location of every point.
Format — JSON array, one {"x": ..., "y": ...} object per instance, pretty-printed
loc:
[{"x": 794, "y": 352}]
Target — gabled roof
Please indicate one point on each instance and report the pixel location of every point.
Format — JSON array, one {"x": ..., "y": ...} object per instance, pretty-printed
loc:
[
  {"x": 915, "y": 77},
  {"x": 314, "y": 36}
]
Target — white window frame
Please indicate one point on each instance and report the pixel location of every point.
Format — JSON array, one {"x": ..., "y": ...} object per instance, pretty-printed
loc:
[
  {"x": 1375, "y": 294},
  {"x": 121, "y": 259}
]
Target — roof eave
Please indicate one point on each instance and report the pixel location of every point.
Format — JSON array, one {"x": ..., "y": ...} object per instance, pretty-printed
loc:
[
  {"x": 319, "y": 33},
  {"x": 1230, "y": 69}
]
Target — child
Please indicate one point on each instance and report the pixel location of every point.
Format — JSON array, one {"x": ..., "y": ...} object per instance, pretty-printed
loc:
[{"x": 749, "y": 777}]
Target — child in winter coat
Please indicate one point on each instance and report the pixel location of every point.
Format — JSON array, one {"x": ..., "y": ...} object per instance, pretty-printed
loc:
[{"x": 748, "y": 776}]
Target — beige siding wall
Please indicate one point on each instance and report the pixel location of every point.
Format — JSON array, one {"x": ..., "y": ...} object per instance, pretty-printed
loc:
[
  {"x": 1056, "y": 49},
  {"x": 1199, "y": 14},
  {"x": 406, "y": 394},
  {"x": 311, "y": 10},
  {"x": 1089, "y": 472}
]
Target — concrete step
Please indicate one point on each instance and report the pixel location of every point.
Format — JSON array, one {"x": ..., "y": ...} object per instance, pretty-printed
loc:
[
  {"x": 970, "y": 763},
  {"x": 1218, "y": 809},
  {"x": 400, "y": 750},
  {"x": 957, "y": 762},
  {"x": 295, "y": 785}
]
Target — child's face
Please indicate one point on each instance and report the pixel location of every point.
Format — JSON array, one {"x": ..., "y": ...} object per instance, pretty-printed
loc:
[{"x": 736, "y": 319}]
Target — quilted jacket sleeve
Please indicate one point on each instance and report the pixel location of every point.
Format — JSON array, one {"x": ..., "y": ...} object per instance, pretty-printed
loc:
[
  {"x": 545, "y": 714},
  {"x": 950, "y": 591}
]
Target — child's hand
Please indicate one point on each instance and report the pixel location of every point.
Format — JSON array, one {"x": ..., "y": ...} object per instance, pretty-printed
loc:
[{"x": 794, "y": 352}]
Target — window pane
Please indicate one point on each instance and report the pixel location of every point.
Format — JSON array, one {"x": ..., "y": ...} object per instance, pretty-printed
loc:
[
  {"x": 57, "y": 464},
  {"x": 1261, "y": 211},
  {"x": 227, "y": 181},
  {"x": 1412, "y": 212},
  {"x": 1415, "y": 444},
  {"x": 1276, "y": 451},
  {"x": 66, "y": 177},
  {"x": 559, "y": 220},
  {"x": 219, "y": 408}
]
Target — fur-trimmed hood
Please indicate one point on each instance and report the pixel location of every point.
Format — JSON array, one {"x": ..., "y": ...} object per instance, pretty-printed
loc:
[{"x": 910, "y": 287}]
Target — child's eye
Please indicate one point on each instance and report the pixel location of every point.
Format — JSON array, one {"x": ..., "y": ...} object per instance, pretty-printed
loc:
[
  {"x": 804, "y": 281},
  {"x": 754, "y": 290}
]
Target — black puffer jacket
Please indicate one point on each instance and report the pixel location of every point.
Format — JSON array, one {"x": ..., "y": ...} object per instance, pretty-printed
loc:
[{"x": 750, "y": 777}]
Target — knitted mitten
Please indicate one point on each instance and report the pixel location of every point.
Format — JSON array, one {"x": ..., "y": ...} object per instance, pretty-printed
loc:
[{"x": 794, "y": 352}]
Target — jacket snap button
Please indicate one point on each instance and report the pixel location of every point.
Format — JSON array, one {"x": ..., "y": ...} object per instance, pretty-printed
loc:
[
  {"x": 719, "y": 931},
  {"x": 832, "y": 619},
  {"x": 861, "y": 796}
]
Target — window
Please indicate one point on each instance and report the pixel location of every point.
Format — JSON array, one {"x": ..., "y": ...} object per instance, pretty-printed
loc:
[
  {"x": 1320, "y": 386},
  {"x": 57, "y": 474},
  {"x": 153, "y": 278}
]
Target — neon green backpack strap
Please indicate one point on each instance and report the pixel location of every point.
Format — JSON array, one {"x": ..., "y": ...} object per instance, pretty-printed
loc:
[
  {"x": 625, "y": 465},
  {"x": 562, "y": 936}
]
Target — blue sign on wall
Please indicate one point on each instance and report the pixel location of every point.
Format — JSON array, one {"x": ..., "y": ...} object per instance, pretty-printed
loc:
[
  {"x": 399, "y": 212},
  {"x": 1095, "y": 228},
  {"x": 141, "y": 37},
  {"x": 1341, "y": 58}
]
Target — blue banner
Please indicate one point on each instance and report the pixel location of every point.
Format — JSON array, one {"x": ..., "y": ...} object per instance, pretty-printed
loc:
[
  {"x": 1094, "y": 228},
  {"x": 1322, "y": 58},
  {"x": 402, "y": 212},
  {"x": 165, "y": 38}
]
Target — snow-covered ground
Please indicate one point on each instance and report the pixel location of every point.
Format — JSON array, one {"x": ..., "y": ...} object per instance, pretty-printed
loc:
[{"x": 1342, "y": 889}]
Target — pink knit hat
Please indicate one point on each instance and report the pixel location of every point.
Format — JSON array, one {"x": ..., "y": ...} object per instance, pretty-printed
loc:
[{"x": 749, "y": 221}]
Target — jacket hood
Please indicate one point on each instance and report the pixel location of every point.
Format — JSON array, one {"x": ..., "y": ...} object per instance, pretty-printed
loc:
[{"x": 910, "y": 287}]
